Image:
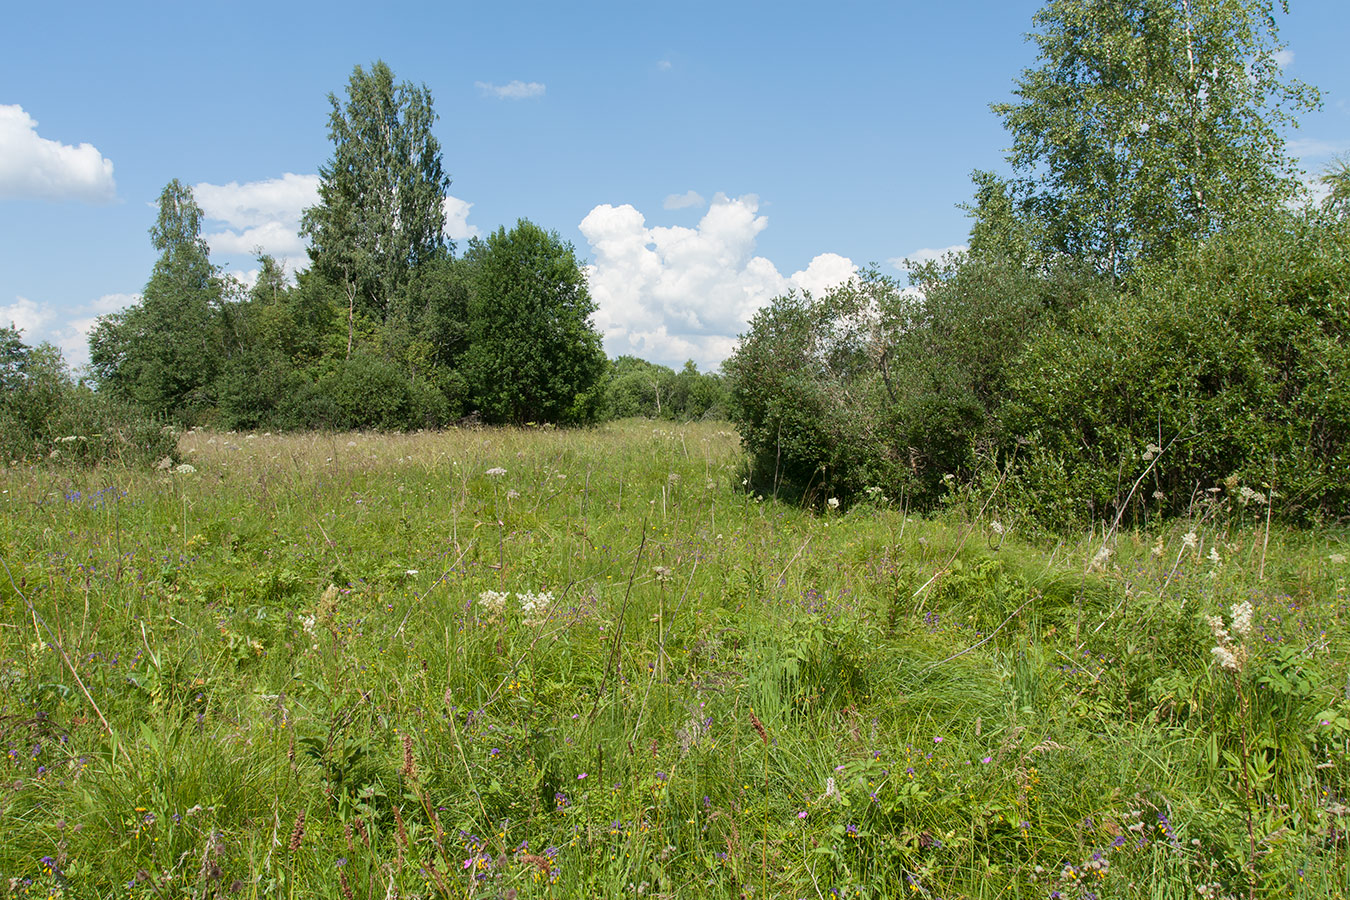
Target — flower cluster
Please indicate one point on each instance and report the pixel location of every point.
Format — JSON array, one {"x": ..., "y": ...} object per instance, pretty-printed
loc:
[
  {"x": 534, "y": 607},
  {"x": 1229, "y": 649}
]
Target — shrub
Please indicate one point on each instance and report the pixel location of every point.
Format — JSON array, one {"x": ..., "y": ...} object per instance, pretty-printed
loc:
[{"x": 1227, "y": 364}]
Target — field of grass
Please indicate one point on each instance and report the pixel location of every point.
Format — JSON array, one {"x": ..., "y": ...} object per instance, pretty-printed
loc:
[{"x": 533, "y": 663}]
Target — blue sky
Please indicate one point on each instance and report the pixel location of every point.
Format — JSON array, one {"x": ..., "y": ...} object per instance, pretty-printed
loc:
[{"x": 700, "y": 156}]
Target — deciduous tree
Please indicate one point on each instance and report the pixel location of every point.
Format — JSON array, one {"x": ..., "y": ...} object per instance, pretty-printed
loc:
[
  {"x": 164, "y": 353},
  {"x": 533, "y": 354},
  {"x": 1149, "y": 123},
  {"x": 380, "y": 213}
]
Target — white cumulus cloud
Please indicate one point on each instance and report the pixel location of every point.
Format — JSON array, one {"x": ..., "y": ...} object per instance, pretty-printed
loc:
[
  {"x": 685, "y": 200},
  {"x": 33, "y": 167},
  {"x": 265, "y": 215},
  {"x": 514, "y": 90},
  {"x": 669, "y": 294},
  {"x": 67, "y": 328},
  {"x": 457, "y": 227},
  {"x": 259, "y": 216}
]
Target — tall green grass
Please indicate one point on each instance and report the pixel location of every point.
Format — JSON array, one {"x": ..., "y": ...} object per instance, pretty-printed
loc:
[{"x": 362, "y": 666}]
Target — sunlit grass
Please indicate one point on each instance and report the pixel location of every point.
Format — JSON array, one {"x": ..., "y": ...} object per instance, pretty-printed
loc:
[{"x": 302, "y": 626}]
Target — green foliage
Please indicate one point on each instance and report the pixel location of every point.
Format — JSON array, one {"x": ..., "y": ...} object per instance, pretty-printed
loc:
[
  {"x": 807, "y": 393},
  {"x": 533, "y": 354},
  {"x": 44, "y": 414},
  {"x": 1146, "y": 125},
  {"x": 164, "y": 353},
  {"x": 1230, "y": 363},
  {"x": 368, "y": 391},
  {"x": 380, "y": 215},
  {"x": 640, "y": 388},
  {"x": 873, "y": 387}
]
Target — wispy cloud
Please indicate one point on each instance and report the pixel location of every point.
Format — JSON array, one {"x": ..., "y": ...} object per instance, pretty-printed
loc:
[
  {"x": 33, "y": 167},
  {"x": 265, "y": 216},
  {"x": 685, "y": 200},
  {"x": 1314, "y": 148},
  {"x": 514, "y": 90},
  {"x": 67, "y": 328},
  {"x": 925, "y": 254}
]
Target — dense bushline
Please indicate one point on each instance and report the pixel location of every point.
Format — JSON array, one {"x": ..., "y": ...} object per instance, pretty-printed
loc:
[
  {"x": 46, "y": 414},
  {"x": 1224, "y": 367},
  {"x": 1150, "y": 308}
]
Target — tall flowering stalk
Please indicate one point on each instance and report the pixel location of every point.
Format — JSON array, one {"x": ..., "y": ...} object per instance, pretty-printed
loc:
[{"x": 1230, "y": 652}]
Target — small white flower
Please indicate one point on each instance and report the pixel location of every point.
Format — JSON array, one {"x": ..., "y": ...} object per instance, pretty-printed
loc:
[
  {"x": 1214, "y": 556},
  {"x": 1226, "y": 659},
  {"x": 1337, "y": 559},
  {"x": 496, "y": 472},
  {"x": 832, "y": 503},
  {"x": 1242, "y": 618},
  {"x": 512, "y": 494},
  {"x": 493, "y": 601},
  {"x": 184, "y": 469},
  {"x": 996, "y": 526},
  {"x": 1190, "y": 541}
]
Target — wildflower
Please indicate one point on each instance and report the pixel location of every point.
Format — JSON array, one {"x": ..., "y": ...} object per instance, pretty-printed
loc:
[
  {"x": 1337, "y": 559},
  {"x": 496, "y": 472},
  {"x": 832, "y": 503},
  {"x": 1190, "y": 541},
  {"x": 996, "y": 527},
  {"x": 1099, "y": 561},
  {"x": 1226, "y": 658},
  {"x": 1217, "y": 629},
  {"x": 1214, "y": 556},
  {"x": 298, "y": 833},
  {"x": 1242, "y": 618},
  {"x": 493, "y": 601}
]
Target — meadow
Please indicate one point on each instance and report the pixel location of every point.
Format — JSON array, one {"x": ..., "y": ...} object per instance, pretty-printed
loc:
[{"x": 531, "y": 663}]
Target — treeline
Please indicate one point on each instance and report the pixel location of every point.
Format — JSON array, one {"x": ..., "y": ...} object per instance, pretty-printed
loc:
[
  {"x": 1151, "y": 313},
  {"x": 388, "y": 328}
]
